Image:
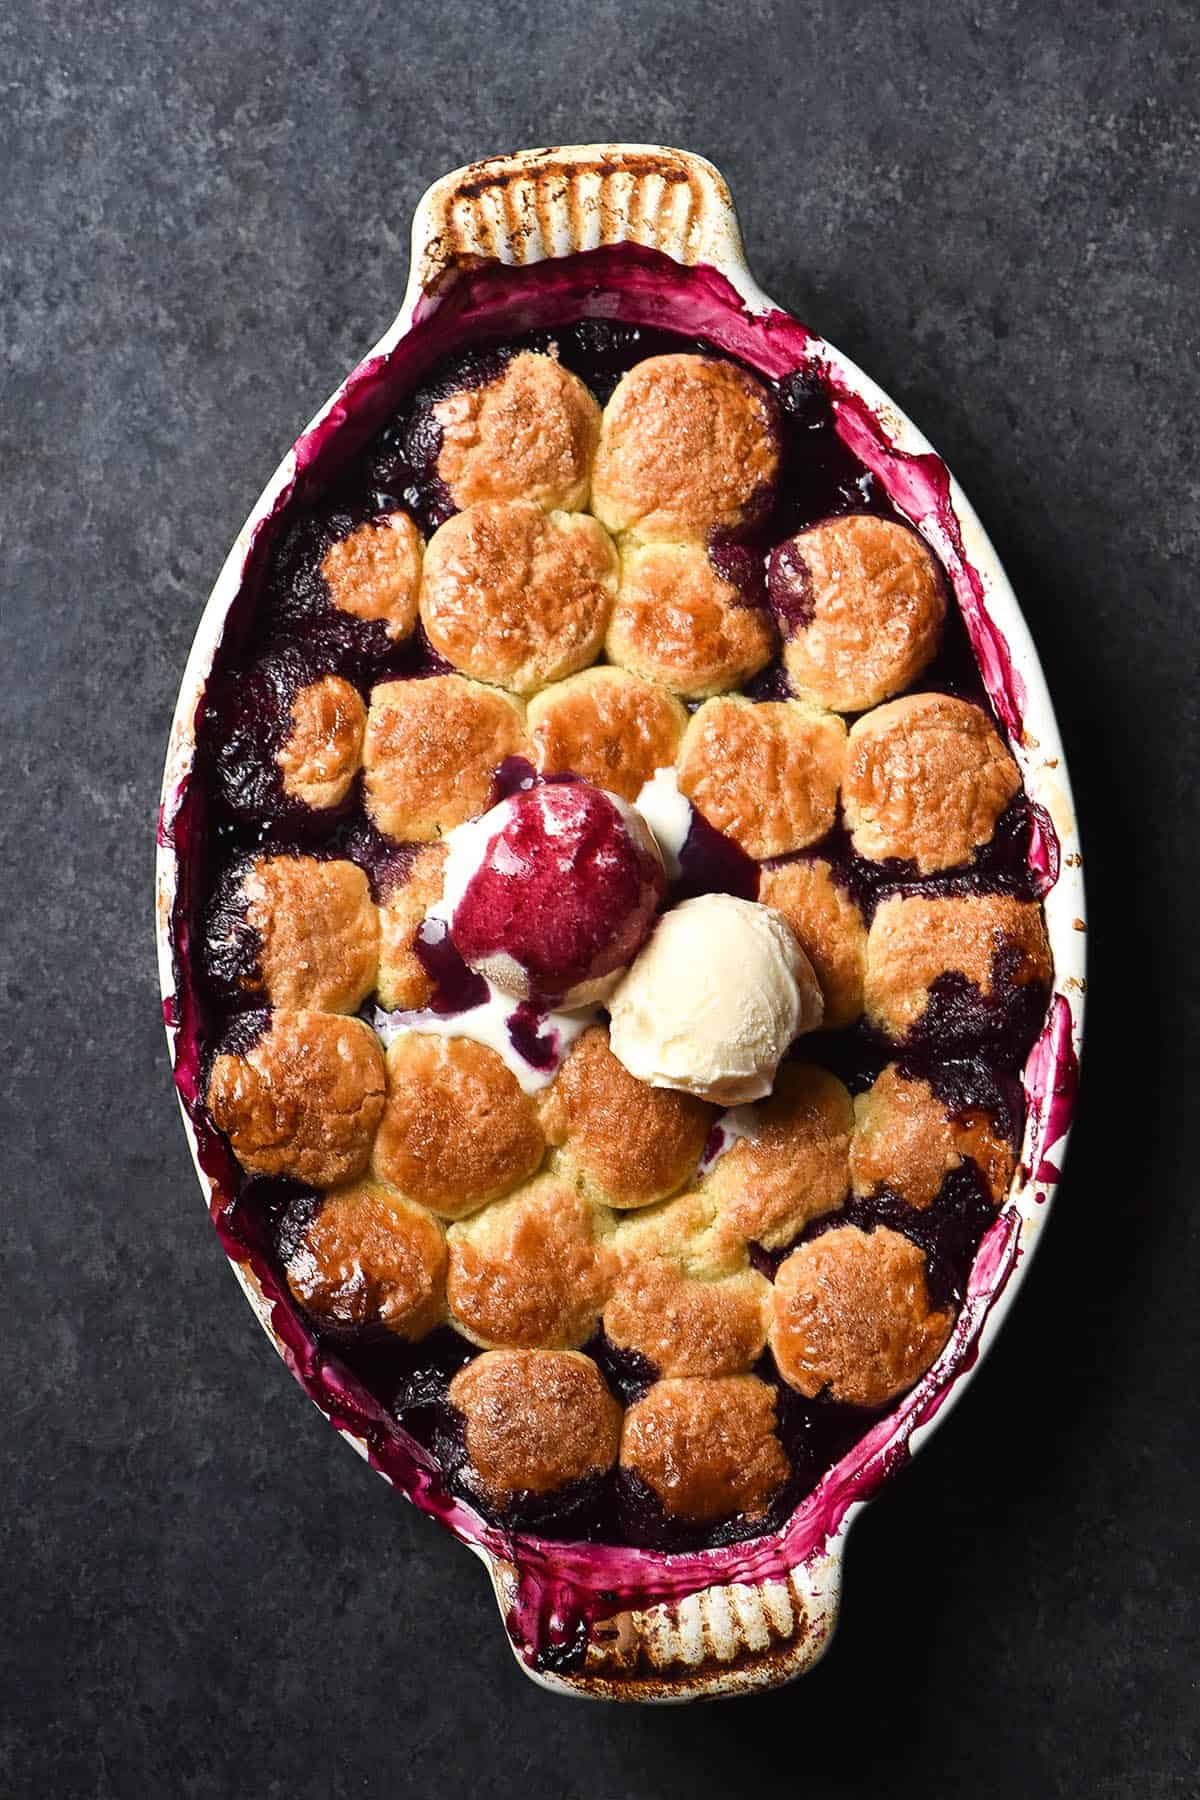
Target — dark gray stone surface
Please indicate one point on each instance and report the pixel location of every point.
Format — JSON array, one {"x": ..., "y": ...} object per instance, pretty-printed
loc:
[{"x": 205, "y": 221}]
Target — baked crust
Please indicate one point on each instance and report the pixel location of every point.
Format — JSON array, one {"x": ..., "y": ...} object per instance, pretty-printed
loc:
[
  {"x": 687, "y": 444},
  {"x": 629, "y": 1143},
  {"x": 304, "y": 1100},
  {"x": 685, "y": 1229},
  {"x": 518, "y": 596},
  {"x": 907, "y": 1140},
  {"x": 531, "y": 1271},
  {"x": 690, "y": 1325},
  {"x": 792, "y": 1166},
  {"x": 404, "y": 983},
  {"x": 317, "y": 933},
  {"x": 829, "y": 928},
  {"x": 706, "y": 1449},
  {"x": 865, "y": 602},
  {"x": 851, "y": 1316},
  {"x": 369, "y": 1257},
  {"x": 677, "y": 621},
  {"x": 322, "y": 752},
  {"x": 431, "y": 752},
  {"x": 915, "y": 938},
  {"x": 535, "y": 1420},
  {"x": 765, "y": 773},
  {"x": 457, "y": 1131},
  {"x": 926, "y": 779},
  {"x": 528, "y": 434},
  {"x": 375, "y": 572},
  {"x": 607, "y": 726}
]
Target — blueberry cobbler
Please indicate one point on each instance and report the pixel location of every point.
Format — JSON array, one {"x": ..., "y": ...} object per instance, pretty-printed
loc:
[{"x": 615, "y": 940}]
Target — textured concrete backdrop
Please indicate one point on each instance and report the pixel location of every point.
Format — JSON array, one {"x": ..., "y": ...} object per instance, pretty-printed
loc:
[{"x": 205, "y": 222}]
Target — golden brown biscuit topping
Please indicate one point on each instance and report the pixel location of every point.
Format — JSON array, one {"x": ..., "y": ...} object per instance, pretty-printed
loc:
[
  {"x": 828, "y": 927},
  {"x": 867, "y": 601},
  {"x": 404, "y": 982},
  {"x": 518, "y": 596},
  {"x": 304, "y": 1100},
  {"x": 368, "y": 1257},
  {"x": 685, "y": 1230},
  {"x": 318, "y": 932},
  {"x": 707, "y": 1449},
  {"x": 535, "y": 1420},
  {"x": 632, "y": 1144},
  {"x": 926, "y": 779},
  {"x": 765, "y": 773},
  {"x": 914, "y": 939},
  {"x": 530, "y": 1271},
  {"x": 432, "y": 749},
  {"x": 686, "y": 1325},
  {"x": 375, "y": 573},
  {"x": 530, "y": 434},
  {"x": 678, "y": 622},
  {"x": 851, "y": 1315},
  {"x": 687, "y": 444},
  {"x": 607, "y": 726},
  {"x": 457, "y": 1131},
  {"x": 323, "y": 749},
  {"x": 906, "y": 1141},
  {"x": 792, "y": 1166}
]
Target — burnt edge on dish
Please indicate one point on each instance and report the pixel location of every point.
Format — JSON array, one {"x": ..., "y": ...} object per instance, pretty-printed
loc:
[{"x": 654, "y": 1643}]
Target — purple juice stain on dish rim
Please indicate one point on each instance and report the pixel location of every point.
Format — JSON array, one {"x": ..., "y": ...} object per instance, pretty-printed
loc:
[{"x": 561, "y": 1590}]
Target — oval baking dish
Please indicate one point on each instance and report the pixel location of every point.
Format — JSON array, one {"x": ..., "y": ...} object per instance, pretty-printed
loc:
[{"x": 648, "y": 236}]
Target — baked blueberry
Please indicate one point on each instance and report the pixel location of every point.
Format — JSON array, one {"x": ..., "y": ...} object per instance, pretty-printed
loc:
[{"x": 421, "y": 767}]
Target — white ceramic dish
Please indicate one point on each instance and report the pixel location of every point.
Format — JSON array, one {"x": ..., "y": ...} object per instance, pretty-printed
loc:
[{"x": 650, "y": 233}]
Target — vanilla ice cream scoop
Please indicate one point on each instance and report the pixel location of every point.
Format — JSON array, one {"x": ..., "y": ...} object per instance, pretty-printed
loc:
[{"x": 714, "y": 999}]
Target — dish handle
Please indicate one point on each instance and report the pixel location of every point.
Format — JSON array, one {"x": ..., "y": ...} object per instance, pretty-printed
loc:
[
  {"x": 538, "y": 204},
  {"x": 730, "y": 1638}
]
